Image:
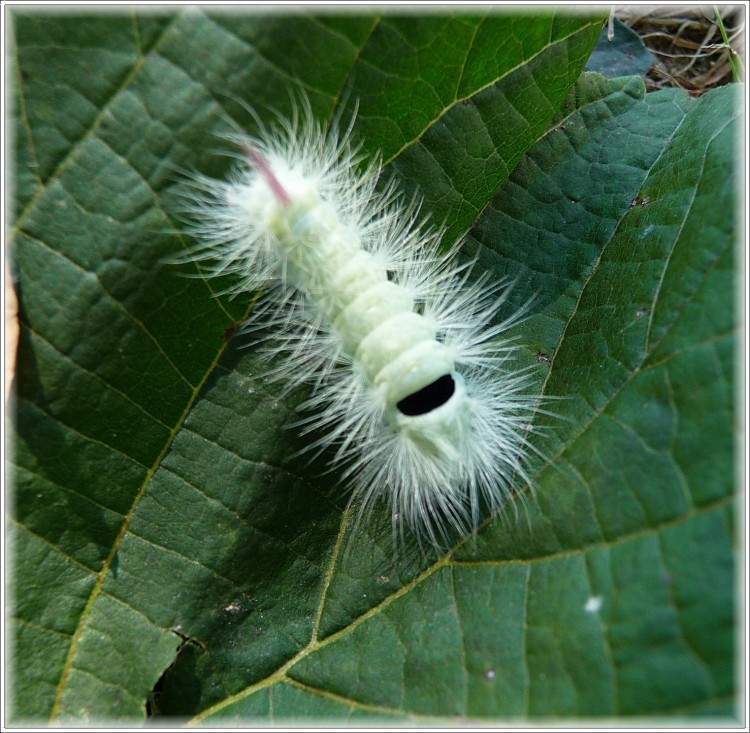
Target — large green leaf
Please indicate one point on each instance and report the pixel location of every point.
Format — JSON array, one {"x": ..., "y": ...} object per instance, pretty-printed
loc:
[{"x": 161, "y": 516}]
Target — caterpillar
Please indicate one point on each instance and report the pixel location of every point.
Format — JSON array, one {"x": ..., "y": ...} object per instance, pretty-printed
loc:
[{"x": 412, "y": 385}]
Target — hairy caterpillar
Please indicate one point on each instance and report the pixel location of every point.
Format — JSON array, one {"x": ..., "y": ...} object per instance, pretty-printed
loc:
[{"x": 409, "y": 380}]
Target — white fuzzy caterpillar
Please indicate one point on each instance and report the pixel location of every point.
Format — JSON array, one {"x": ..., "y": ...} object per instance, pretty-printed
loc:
[{"x": 410, "y": 381}]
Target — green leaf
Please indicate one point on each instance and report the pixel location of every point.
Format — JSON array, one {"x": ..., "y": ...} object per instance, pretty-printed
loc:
[
  {"x": 163, "y": 524},
  {"x": 622, "y": 55}
]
